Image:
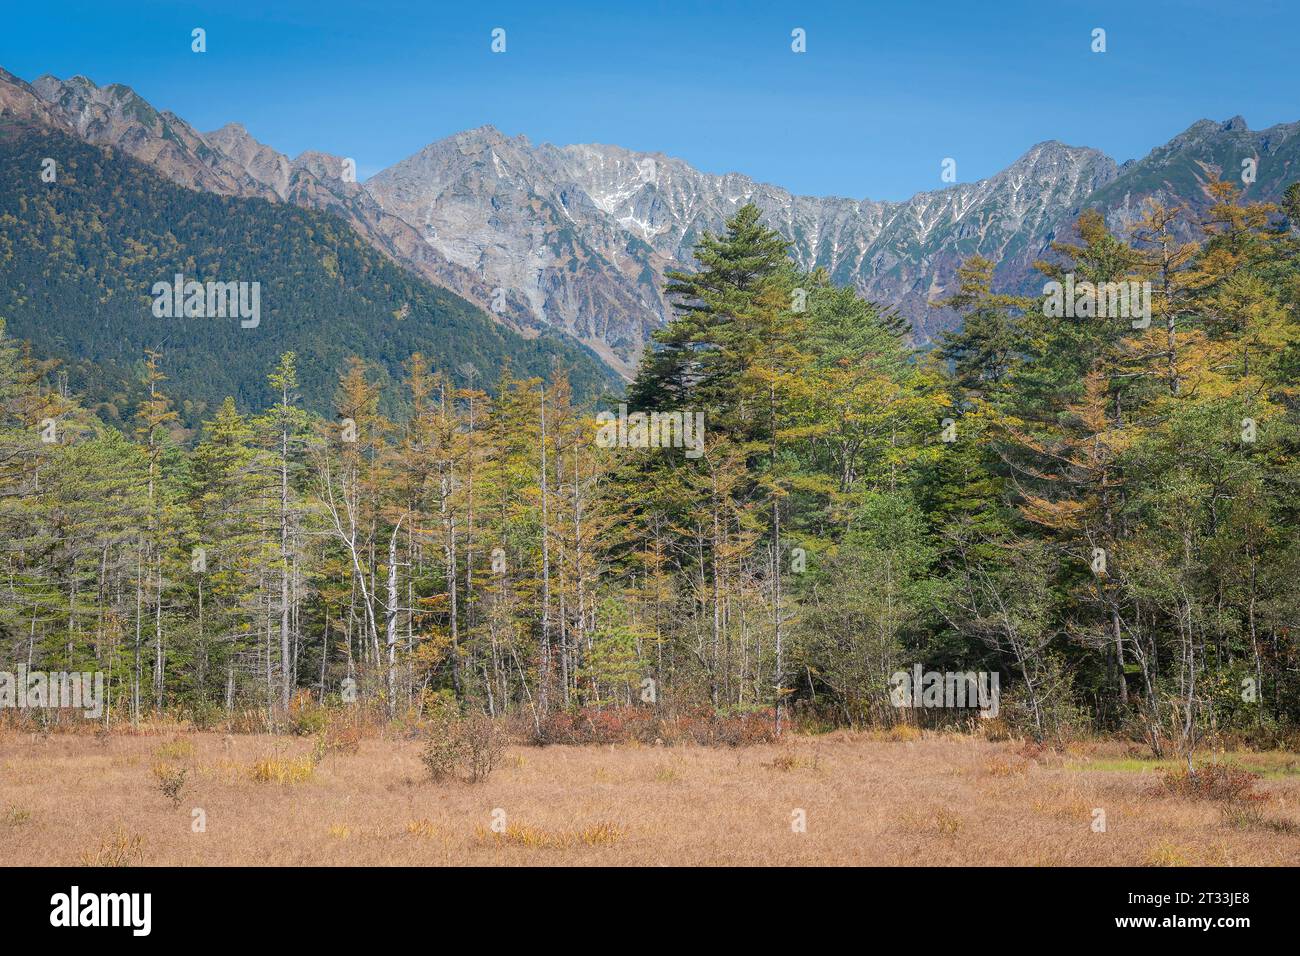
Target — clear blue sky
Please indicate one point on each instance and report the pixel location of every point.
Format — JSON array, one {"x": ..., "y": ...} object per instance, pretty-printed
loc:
[{"x": 883, "y": 94}]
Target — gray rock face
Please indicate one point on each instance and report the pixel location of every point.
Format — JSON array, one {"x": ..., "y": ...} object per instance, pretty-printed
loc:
[
  {"x": 580, "y": 235},
  {"x": 517, "y": 217},
  {"x": 578, "y": 238},
  {"x": 117, "y": 117},
  {"x": 20, "y": 101},
  {"x": 262, "y": 163}
]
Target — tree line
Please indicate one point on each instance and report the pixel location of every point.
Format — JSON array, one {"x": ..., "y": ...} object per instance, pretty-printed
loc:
[{"x": 1101, "y": 511}]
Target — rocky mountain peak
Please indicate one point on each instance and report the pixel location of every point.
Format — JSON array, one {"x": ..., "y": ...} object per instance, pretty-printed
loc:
[
  {"x": 19, "y": 99},
  {"x": 324, "y": 166},
  {"x": 117, "y": 116},
  {"x": 260, "y": 162},
  {"x": 1206, "y": 131},
  {"x": 577, "y": 238}
]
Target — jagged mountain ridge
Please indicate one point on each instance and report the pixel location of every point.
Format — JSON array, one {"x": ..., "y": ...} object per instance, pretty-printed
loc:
[
  {"x": 227, "y": 162},
  {"x": 578, "y": 237},
  {"x": 525, "y": 216},
  {"x": 80, "y": 258},
  {"x": 1177, "y": 172},
  {"x": 625, "y": 217},
  {"x": 561, "y": 228}
]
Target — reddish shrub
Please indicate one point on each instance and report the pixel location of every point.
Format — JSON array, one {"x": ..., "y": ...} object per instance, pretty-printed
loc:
[
  {"x": 1213, "y": 781},
  {"x": 616, "y": 725}
]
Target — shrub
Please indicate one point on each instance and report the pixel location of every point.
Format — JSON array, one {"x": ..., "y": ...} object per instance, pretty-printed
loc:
[
  {"x": 336, "y": 739},
  {"x": 483, "y": 745},
  {"x": 204, "y": 714},
  {"x": 306, "y": 717},
  {"x": 1268, "y": 735},
  {"x": 1213, "y": 781},
  {"x": 610, "y": 725},
  {"x": 171, "y": 781},
  {"x": 342, "y": 740},
  {"x": 469, "y": 748},
  {"x": 441, "y": 753},
  {"x": 1060, "y": 718},
  {"x": 1035, "y": 751},
  {"x": 624, "y": 725},
  {"x": 740, "y": 729}
]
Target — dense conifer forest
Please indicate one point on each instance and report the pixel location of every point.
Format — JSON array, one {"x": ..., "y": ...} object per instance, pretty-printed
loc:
[
  {"x": 80, "y": 255},
  {"x": 1101, "y": 511}
]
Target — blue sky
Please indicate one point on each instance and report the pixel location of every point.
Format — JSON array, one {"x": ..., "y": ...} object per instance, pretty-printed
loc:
[{"x": 883, "y": 94}]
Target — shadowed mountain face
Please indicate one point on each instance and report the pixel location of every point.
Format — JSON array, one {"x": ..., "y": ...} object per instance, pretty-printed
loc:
[{"x": 577, "y": 238}]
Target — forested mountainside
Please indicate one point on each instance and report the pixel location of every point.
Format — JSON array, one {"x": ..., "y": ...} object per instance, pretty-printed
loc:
[{"x": 80, "y": 255}]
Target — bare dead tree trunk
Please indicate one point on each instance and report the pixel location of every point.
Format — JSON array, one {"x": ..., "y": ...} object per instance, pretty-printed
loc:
[
  {"x": 390, "y": 619},
  {"x": 545, "y": 676},
  {"x": 287, "y": 677}
]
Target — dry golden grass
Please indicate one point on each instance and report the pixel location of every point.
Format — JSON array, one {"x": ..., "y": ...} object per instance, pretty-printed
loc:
[
  {"x": 282, "y": 770},
  {"x": 537, "y": 838},
  {"x": 892, "y": 798}
]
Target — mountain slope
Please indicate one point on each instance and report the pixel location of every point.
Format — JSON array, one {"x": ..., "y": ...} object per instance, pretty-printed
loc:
[
  {"x": 1177, "y": 173},
  {"x": 500, "y": 209},
  {"x": 228, "y": 162},
  {"x": 577, "y": 238},
  {"x": 79, "y": 257},
  {"x": 20, "y": 101},
  {"x": 583, "y": 233},
  {"x": 117, "y": 116}
]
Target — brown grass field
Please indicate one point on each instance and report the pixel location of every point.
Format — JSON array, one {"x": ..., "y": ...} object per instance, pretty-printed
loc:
[{"x": 873, "y": 799}]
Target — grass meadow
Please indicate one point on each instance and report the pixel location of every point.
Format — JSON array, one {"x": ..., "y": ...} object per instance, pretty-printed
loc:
[{"x": 909, "y": 797}]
